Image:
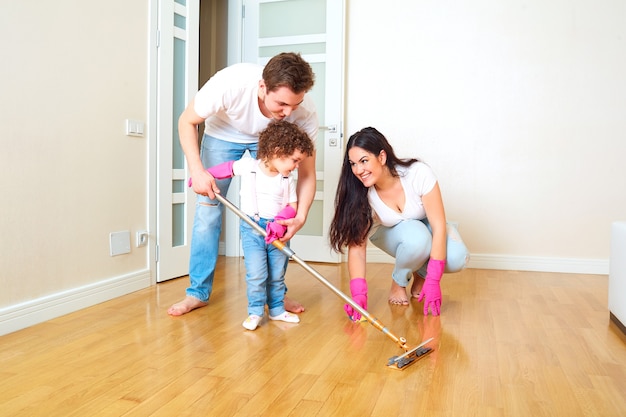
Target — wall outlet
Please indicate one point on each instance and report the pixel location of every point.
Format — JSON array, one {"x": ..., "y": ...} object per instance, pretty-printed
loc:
[
  {"x": 119, "y": 242},
  {"x": 142, "y": 238}
]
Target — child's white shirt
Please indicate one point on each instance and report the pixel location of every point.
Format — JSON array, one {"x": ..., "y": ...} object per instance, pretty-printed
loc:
[{"x": 268, "y": 190}]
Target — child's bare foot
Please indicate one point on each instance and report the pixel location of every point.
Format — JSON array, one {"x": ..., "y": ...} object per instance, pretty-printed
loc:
[
  {"x": 293, "y": 306},
  {"x": 185, "y": 306},
  {"x": 397, "y": 295},
  {"x": 416, "y": 287}
]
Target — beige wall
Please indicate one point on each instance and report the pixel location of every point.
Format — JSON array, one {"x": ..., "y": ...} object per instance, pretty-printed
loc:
[
  {"x": 71, "y": 73},
  {"x": 519, "y": 106}
]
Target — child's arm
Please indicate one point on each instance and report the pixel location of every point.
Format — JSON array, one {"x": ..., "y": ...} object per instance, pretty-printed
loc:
[
  {"x": 219, "y": 172},
  {"x": 222, "y": 171}
]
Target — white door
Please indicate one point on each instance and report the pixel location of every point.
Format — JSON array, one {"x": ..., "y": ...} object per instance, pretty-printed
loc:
[
  {"x": 177, "y": 82},
  {"x": 314, "y": 28}
]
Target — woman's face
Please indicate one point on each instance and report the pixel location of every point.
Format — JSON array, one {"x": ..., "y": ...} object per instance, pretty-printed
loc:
[{"x": 366, "y": 166}]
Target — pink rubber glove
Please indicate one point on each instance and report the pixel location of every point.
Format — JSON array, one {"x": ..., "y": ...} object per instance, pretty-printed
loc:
[
  {"x": 358, "y": 290},
  {"x": 431, "y": 291},
  {"x": 276, "y": 230},
  {"x": 222, "y": 171},
  {"x": 219, "y": 171}
]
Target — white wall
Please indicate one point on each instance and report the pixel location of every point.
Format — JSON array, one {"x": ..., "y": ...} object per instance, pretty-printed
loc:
[{"x": 520, "y": 107}]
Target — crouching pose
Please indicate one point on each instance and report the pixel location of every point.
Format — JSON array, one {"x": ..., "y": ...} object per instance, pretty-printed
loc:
[{"x": 397, "y": 204}]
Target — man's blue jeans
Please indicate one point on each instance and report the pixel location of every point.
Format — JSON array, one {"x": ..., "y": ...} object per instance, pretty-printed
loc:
[
  {"x": 265, "y": 272},
  {"x": 207, "y": 222}
]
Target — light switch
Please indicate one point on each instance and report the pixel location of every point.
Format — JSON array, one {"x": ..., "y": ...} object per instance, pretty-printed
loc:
[{"x": 134, "y": 127}]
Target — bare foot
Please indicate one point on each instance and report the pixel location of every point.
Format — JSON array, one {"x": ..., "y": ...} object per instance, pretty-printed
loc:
[
  {"x": 397, "y": 295},
  {"x": 416, "y": 287},
  {"x": 185, "y": 306},
  {"x": 293, "y": 306}
]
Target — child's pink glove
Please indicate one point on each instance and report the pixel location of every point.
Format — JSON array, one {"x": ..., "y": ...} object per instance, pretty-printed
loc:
[
  {"x": 358, "y": 290},
  {"x": 222, "y": 171},
  {"x": 431, "y": 291},
  {"x": 219, "y": 171},
  {"x": 276, "y": 230}
]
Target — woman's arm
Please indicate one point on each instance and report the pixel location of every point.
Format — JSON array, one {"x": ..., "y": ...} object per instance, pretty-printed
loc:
[
  {"x": 358, "y": 284},
  {"x": 433, "y": 204},
  {"x": 357, "y": 260}
]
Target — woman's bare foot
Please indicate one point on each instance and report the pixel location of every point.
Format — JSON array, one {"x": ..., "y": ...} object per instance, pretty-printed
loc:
[
  {"x": 293, "y": 306},
  {"x": 397, "y": 295},
  {"x": 185, "y": 306},
  {"x": 416, "y": 287}
]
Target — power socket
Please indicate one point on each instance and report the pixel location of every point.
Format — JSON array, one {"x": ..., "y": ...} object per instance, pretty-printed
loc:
[{"x": 142, "y": 238}]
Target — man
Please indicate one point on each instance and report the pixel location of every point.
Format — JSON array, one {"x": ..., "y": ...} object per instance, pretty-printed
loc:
[{"x": 236, "y": 104}]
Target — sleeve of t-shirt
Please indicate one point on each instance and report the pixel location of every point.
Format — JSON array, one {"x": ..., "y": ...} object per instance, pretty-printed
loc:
[
  {"x": 423, "y": 178},
  {"x": 310, "y": 123},
  {"x": 243, "y": 166},
  {"x": 213, "y": 96}
]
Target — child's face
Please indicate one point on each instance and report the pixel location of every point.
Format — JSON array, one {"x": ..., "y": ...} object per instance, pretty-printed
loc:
[{"x": 286, "y": 164}]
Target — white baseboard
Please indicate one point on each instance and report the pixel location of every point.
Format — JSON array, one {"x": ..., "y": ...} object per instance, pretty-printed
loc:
[
  {"x": 29, "y": 313},
  {"x": 518, "y": 263}
]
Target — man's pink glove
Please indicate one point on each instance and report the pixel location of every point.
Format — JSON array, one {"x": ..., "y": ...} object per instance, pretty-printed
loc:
[
  {"x": 219, "y": 171},
  {"x": 431, "y": 291},
  {"x": 358, "y": 290},
  {"x": 276, "y": 230}
]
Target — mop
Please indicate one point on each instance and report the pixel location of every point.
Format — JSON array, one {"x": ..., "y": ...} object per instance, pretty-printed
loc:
[{"x": 399, "y": 362}]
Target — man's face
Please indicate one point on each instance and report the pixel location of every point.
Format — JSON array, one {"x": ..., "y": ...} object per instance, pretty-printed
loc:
[{"x": 280, "y": 102}]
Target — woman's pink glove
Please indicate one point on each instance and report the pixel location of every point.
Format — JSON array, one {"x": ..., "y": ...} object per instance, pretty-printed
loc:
[
  {"x": 358, "y": 290},
  {"x": 276, "y": 230},
  {"x": 431, "y": 291}
]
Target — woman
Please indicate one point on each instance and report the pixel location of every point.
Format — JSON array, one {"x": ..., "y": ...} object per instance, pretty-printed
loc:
[{"x": 397, "y": 204}]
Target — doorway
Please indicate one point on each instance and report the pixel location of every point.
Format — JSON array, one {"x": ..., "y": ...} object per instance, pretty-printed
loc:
[{"x": 197, "y": 38}]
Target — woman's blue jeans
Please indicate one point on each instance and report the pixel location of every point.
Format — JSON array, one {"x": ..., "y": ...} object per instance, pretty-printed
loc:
[
  {"x": 410, "y": 242},
  {"x": 265, "y": 271},
  {"x": 207, "y": 222}
]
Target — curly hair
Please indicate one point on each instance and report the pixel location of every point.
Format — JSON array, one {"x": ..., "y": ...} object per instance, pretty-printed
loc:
[
  {"x": 282, "y": 138},
  {"x": 353, "y": 215},
  {"x": 288, "y": 69}
]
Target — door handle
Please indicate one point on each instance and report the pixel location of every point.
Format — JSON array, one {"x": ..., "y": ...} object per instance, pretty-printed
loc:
[{"x": 330, "y": 128}]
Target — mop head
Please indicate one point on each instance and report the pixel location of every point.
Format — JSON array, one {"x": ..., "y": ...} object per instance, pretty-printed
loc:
[{"x": 408, "y": 358}]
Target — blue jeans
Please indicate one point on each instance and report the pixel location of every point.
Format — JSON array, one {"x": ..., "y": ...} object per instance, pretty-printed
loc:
[
  {"x": 410, "y": 242},
  {"x": 265, "y": 272},
  {"x": 207, "y": 222}
]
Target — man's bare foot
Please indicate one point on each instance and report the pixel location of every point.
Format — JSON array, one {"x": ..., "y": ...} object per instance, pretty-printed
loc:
[
  {"x": 416, "y": 287},
  {"x": 185, "y": 306},
  {"x": 397, "y": 295},
  {"x": 293, "y": 306}
]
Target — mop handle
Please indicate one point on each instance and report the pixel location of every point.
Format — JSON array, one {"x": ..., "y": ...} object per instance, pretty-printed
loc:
[{"x": 401, "y": 341}]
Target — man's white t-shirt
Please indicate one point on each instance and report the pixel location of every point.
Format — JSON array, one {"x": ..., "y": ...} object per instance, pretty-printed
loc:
[
  {"x": 269, "y": 191},
  {"x": 229, "y": 103},
  {"x": 417, "y": 179}
]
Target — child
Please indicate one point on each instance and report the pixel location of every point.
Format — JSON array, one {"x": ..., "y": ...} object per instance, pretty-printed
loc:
[{"x": 268, "y": 193}]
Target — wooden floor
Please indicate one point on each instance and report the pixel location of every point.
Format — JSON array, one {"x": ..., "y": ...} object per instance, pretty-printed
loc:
[{"x": 507, "y": 344}]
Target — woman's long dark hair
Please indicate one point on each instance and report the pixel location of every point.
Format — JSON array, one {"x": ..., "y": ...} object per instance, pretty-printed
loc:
[{"x": 353, "y": 216}]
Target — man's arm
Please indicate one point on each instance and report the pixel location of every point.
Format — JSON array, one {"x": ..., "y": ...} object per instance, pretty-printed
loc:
[
  {"x": 202, "y": 181},
  {"x": 306, "y": 193}
]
